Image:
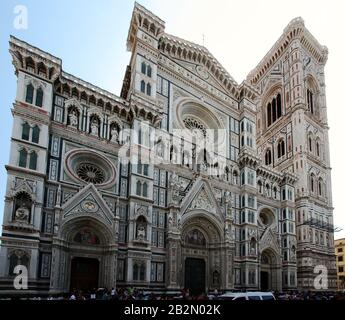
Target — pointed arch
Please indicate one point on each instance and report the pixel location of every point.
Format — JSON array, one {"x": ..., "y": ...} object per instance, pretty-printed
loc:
[
  {"x": 35, "y": 134},
  {"x": 26, "y": 131},
  {"x": 23, "y": 155},
  {"x": 29, "y": 97}
]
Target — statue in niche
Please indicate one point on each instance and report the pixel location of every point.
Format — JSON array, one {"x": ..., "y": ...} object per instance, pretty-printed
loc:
[
  {"x": 141, "y": 225},
  {"x": 114, "y": 134},
  {"x": 159, "y": 149},
  {"x": 94, "y": 127},
  {"x": 227, "y": 196},
  {"x": 157, "y": 121},
  {"x": 227, "y": 233},
  {"x": 170, "y": 219},
  {"x": 22, "y": 214},
  {"x": 253, "y": 248},
  {"x": 173, "y": 181},
  {"x": 293, "y": 253},
  {"x": 73, "y": 119},
  {"x": 227, "y": 200},
  {"x": 216, "y": 277},
  {"x": 141, "y": 231},
  {"x": 34, "y": 187},
  {"x": 22, "y": 207}
]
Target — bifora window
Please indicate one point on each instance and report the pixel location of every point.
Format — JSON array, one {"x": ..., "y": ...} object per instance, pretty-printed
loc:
[{"x": 89, "y": 172}]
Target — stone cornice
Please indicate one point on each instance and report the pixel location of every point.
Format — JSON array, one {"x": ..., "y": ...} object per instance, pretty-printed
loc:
[
  {"x": 269, "y": 173},
  {"x": 84, "y": 138},
  {"x": 140, "y": 9},
  {"x": 147, "y": 21},
  {"x": 248, "y": 91},
  {"x": 20, "y": 50},
  {"x": 248, "y": 158},
  {"x": 30, "y": 172},
  {"x": 36, "y": 114},
  {"x": 92, "y": 89},
  {"x": 145, "y": 109},
  {"x": 289, "y": 177},
  {"x": 16, "y": 43},
  {"x": 183, "y": 49},
  {"x": 202, "y": 91}
]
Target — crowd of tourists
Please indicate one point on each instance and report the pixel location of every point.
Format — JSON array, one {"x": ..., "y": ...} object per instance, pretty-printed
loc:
[{"x": 131, "y": 293}]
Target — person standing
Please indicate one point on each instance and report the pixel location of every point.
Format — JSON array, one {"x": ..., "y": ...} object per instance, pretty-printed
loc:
[
  {"x": 113, "y": 293},
  {"x": 93, "y": 294},
  {"x": 72, "y": 297}
]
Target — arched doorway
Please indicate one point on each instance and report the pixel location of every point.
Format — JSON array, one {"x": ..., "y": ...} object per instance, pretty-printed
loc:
[
  {"x": 195, "y": 268},
  {"x": 202, "y": 269},
  {"x": 85, "y": 256},
  {"x": 269, "y": 279},
  {"x": 265, "y": 273},
  {"x": 84, "y": 271}
]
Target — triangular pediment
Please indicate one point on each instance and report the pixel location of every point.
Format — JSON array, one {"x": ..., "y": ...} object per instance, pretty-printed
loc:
[
  {"x": 201, "y": 72},
  {"x": 24, "y": 185},
  {"x": 198, "y": 60},
  {"x": 269, "y": 240},
  {"x": 88, "y": 202},
  {"x": 73, "y": 102},
  {"x": 201, "y": 197}
]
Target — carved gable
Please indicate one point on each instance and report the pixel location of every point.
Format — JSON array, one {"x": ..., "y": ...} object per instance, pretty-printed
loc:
[
  {"x": 24, "y": 185},
  {"x": 200, "y": 196},
  {"x": 88, "y": 202},
  {"x": 269, "y": 240},
  {"x": 202, "y": 201},
  {"x": 198, "y": 72}
]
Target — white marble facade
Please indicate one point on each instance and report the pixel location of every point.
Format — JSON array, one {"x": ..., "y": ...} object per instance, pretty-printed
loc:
[{"x": 251, "y": 211}]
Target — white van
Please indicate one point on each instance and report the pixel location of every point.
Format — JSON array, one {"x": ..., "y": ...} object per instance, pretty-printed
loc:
[{"x": 247, "y": 296}]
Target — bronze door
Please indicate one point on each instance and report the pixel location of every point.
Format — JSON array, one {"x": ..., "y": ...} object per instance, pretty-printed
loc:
[
  {"x": 264, "y": 281},
  {"x": 195, "y": 275},
  {"x": 84, "y": 273}
]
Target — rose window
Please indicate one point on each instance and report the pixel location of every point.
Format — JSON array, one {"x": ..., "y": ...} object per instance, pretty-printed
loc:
[
  {"x": 87, "y": 166},
  {"x": 90, "y": 173},
  {"x": 194, "y": 124}
]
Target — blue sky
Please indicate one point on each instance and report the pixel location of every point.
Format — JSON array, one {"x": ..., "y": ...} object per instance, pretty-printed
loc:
[{"x": 90, "y": 38}]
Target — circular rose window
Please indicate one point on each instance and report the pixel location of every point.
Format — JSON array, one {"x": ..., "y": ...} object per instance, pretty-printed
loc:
[
  {"x": 90, "y": 167},
  {"x": 90, "y": 173}
]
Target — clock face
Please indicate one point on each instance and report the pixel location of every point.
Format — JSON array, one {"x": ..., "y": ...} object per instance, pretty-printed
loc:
[{"x": 90, "y": 206}]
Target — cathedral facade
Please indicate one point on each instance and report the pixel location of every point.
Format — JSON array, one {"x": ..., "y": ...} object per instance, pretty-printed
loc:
[{"x": 185, "y": 180}]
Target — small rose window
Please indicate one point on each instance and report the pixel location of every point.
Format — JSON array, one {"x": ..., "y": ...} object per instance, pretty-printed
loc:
[{"x": 90, "y": 173}]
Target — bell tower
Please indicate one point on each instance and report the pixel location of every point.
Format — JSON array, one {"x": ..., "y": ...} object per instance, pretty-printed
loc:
[{"x": 143, "y": 37}]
